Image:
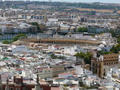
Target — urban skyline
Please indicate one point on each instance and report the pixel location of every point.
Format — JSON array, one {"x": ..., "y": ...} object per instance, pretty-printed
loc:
[
  {"x": 48, "y": 45},
  {"x": 86, "y": 1}
]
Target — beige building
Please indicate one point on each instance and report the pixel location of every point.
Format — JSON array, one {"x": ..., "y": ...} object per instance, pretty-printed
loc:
[
  {"x": 35, "y": 17},
  {"x": 97, "y": 64},
  {"x": 45, "y": 72},
  {"x": 57, "y": 69},
  {"x": 22, "y": 28}
]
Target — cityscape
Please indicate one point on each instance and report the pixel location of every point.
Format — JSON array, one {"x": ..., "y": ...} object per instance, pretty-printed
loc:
[{"x": 51, "y": 45}]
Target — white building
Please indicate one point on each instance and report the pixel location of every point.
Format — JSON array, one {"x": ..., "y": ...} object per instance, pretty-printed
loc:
[
  {"x": 79, "y": 70},
  {"x": 65, "y": 75},
  {"x": 14, "y": 49}
]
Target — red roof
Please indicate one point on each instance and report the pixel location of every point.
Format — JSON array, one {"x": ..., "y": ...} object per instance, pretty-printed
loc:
[
  {"x": 56, "y": 46},
  {"x": 22, "y": 58}
]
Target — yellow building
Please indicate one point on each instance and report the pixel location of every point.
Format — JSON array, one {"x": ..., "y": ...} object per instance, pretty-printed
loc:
[{"x": 97, "y": 64}]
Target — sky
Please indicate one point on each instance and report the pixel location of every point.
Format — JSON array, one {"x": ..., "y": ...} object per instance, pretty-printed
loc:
[{"x": 104, "y": 1}]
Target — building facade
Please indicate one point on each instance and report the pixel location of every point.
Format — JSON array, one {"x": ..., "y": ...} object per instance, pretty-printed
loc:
[
  {"x": 18, "y": 84},
  {"x": 97, "y": 64}
]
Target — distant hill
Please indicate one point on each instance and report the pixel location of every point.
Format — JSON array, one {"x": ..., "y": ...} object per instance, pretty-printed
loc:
[{"x": 61, "y": 5}]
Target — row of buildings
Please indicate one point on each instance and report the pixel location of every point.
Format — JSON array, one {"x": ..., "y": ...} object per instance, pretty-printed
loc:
[
  {"x": 47, "y": 61},
  {"x": 52, "y": 22}
]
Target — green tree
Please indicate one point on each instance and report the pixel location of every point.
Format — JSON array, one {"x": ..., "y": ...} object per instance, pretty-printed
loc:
[
  {"x": 82, "y": 29},
  {"x": 18, "y": 36},
  {"x": 53, "y": 56},
  {"x": 113, "y": 33},
  {"x": 6, "y": 42},
  {"x": 81, "y": 83},
  {"x": 116, "y": 49},
  {"x": 38, "y": 27},
  {"x": 87, "y": 57}
]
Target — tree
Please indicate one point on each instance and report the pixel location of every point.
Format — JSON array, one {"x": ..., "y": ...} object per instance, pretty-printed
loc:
[
  {"x": 81, "y": 83},
  {"x": 82, "y": 29},
  {"x": 113, "y": 33},
  {"x": 6, "y": 42},
  {"x": 38, "y": 27},
  {"x": 18, "y": 36},
  {"x": 115, "y": 49},
  {"x": 87, "y": 57},
  {"x": 53, "y": 56}
]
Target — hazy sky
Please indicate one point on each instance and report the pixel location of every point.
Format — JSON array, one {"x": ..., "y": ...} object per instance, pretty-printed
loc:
[{"x": 105, "y": 1}]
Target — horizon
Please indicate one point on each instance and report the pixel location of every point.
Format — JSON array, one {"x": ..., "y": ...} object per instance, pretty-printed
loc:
[{"x": 70, "y": 1}]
